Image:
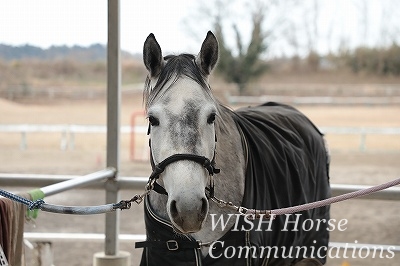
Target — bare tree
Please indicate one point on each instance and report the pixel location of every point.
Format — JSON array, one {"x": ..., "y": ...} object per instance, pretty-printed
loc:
[
  {"x": 245, "y": 31},
  {"x": 245, "y": 64}
]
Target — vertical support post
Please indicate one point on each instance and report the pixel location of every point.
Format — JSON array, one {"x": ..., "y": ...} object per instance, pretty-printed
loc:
[
  {"x": 43, "y": 254},
  {"x": 113, "y": 121},
  {"x": 112, "y": 256},
  {"x": 71, "y": 140},
  {"x": 23, "y": 145},
  {"x": 132, "y": 139},
  {"x": 363, "y": 146},
  {"x": 64, "y": 140}
]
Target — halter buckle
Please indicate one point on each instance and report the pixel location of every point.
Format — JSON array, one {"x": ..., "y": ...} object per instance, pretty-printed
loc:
[{"x": 172, "y": 245}]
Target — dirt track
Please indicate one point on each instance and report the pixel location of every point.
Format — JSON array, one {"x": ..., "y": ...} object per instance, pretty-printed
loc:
[{"x": 368, "y": 221}]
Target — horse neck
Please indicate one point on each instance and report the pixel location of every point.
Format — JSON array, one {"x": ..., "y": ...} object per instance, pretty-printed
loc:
[
  {"x": 230, "y": 158},
  {"x": 229, "y": 183}
]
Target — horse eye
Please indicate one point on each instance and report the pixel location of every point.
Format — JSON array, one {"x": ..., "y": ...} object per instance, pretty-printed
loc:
[
  {"x": 154, "y": 121},
  {"x": 211, "y": 118}
]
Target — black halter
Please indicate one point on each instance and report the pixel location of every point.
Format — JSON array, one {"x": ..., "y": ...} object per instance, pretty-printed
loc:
[{"x": 159, "y": 168}]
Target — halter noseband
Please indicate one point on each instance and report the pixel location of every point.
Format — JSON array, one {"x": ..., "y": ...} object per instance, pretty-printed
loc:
[{"x": 159, "y": 168}]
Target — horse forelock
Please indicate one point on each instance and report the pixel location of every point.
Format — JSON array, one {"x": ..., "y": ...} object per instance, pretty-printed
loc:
[{"x": 176, "y": 67}]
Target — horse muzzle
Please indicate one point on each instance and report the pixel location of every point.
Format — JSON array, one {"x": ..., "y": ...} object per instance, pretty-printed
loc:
[{"x": 188, "y": 216}]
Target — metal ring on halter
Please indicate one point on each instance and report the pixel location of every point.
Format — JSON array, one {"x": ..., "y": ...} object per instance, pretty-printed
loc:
[{"x": 150, "y": 184}]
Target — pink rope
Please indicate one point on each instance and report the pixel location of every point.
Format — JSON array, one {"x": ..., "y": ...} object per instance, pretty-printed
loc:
[{"x": 329, "y": 201}]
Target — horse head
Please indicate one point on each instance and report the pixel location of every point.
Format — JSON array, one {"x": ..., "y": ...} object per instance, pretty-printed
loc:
[{"x": 181, "y": 112}]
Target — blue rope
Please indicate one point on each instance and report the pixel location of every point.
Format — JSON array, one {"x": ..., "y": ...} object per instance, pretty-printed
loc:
[
  {"x": 83, "y": 210},
  {"x": 36, "y": 204},
  {"x": 32, "y": 205}
]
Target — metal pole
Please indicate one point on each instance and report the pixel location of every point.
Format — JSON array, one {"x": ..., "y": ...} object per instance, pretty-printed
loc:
[
  {"x": 31, "y": 180},
  {"x": 112, "y": 256},
  {"x": 78, "y": 182},
  {"x": 113, "y": 123}
]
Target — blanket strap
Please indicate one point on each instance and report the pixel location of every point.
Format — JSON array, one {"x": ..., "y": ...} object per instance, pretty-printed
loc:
[{"x": 171, "y": 245}]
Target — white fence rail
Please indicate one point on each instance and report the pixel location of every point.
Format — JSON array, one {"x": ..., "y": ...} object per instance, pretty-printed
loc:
[
  {"x": 68, "y": 132},
  {"x": 363, "y": 132}
]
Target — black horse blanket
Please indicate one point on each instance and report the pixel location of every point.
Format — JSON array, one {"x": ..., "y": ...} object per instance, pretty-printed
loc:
[{"x": 287, "y": 165}]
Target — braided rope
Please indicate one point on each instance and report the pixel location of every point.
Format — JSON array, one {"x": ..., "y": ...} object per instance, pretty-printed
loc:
[
  {"x": 16, "y": 198},
  {"x": 80, "y": 210},
  {"x": 36, "y": 204},
  {"x": 325, "y": 202}
]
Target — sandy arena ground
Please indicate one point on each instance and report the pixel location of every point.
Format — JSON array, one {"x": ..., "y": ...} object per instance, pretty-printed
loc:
[{"x": 368, "y": 221}]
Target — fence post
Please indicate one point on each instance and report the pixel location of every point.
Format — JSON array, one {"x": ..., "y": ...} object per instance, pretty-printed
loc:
[
  {"x": 23, "y": 144},
  {"x": 43, "y": 254},
  {"x": 363, "y": 147},
  {"x": 64, "y": 140},
  {"x": 111, "y": 255},
  {"x": 71, "y": 140}
]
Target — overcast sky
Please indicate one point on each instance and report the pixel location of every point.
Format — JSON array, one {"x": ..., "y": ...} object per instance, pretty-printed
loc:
[{"x": 83, "y": 22}]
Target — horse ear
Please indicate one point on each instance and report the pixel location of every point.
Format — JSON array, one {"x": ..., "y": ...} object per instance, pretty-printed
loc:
[
  {"x": 208, "y": 55},
  {"x": 152, "y": 56}
]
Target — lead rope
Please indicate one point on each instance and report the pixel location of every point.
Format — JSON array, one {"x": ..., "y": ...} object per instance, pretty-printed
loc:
[
  {"x": 271, "y": 214},
  {"x": 79, "y": 210}
]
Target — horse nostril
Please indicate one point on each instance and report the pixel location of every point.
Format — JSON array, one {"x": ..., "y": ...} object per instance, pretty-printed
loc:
[
  {"x": 204, "y": 207},
  {"x": 173, "y": 210}
]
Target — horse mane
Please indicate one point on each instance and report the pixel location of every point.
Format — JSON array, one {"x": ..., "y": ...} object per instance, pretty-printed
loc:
[{"x": 176, "y": 66}]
